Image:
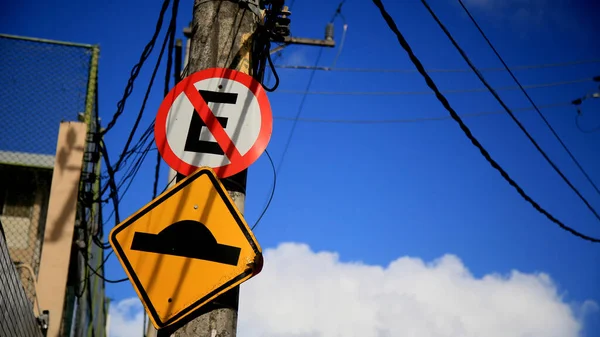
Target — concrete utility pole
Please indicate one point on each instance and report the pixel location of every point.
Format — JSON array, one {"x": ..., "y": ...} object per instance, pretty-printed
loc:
[{"x": 221, "y": 36}]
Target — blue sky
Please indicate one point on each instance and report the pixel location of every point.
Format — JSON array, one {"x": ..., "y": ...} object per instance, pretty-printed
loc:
[{"x": 376, "y": 192}]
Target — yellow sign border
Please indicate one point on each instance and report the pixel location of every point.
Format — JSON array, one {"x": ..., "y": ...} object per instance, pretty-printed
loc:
[{"x": 238, "y": 217}]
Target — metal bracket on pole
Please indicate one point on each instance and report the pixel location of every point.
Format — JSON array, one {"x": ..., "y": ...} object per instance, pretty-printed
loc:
[{"x": 304, "y": 41}]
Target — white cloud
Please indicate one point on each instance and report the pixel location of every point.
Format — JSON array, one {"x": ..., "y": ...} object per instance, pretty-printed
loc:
[
  {"x": 301, "y": 293},
  {"x": 126, "y": 318}
]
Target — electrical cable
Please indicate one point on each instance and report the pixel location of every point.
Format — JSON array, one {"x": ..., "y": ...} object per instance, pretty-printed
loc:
[
  {"x": 274, "y": 72},
  {"x": 137, "y": 168},
  {"x": 136, "y": 69},
  {"x": 414, "y": 120},
  {"x": 170, "y": 32},
  {"x": 172, "y": 27},
  {"x": 84, "y": 282},
  {"x": 433, "y": 70},
  {"x": 103, "y": 278},
  {"x": 425, "y": 92},
  {"x": 444, "y": 101},
  {"x": 295, "y": 123},
  {"x": 564, "y": 146},
  {"x": 130, "y": 178},
  {"x": 126, "y": 153},
  {"x": 595, "y": 129},
  {"x": 299, "y": 112},
  {"x": 264, "y": 211},
  {"x": 104, "y": 261},
  {"x": 134, "y": 168},
  {"x": 578, "y": 102},
  {"x": 338, "y": 12},
  {"x": 505, "y": 107},
  {"x": 114, "y": 193},
  {"x": 29, "y": 269},
  {"x": 169, "y": 183}
]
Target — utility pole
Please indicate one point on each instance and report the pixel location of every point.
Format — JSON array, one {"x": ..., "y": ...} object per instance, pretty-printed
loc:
[{"x": 221, "y": 36}]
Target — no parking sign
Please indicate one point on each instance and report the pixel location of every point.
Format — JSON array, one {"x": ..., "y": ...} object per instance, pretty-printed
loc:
[{"x": 217, "y": 117}]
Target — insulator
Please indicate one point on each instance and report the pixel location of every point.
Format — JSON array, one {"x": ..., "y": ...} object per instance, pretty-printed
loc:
[{"x": 329, "y": 32}]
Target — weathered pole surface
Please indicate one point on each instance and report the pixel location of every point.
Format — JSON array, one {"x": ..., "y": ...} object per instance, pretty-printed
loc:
[{"x": 222, "y": 35}]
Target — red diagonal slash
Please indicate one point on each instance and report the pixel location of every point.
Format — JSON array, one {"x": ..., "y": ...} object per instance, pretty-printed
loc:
[{"x": 212, "y": 123}]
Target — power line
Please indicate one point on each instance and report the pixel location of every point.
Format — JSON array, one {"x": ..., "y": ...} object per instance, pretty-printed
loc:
[
  {"x": 294, "y": 124},
  {"x": 127, "y": 153},
  {"x": 136, "y": 69},
  {"x": 102, "y": 277},
  {"x": 146, "y": 95},
  {"x": 529, "y": 97},
  {"x": 300, "y": 108},
  {"x": 272, "y": 194},
  {"x": 505, "y": 107},
  {"x": 437, "y": 70},
  {"x": 430, "y": 83},
  {"x": 424, "y": 92},
  {"x": 582, "y": 129},
  {"x": 413, "y": 120}
]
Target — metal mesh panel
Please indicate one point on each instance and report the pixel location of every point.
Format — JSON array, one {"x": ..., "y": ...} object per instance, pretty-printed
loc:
[
  {"x": 41, "y": 84},
  {"x": 17, "y": 318},
  {"x": 24, "y": 193}
]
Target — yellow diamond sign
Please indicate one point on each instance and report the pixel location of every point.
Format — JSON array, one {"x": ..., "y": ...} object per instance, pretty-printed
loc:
[{"x": 186, "y": 247}]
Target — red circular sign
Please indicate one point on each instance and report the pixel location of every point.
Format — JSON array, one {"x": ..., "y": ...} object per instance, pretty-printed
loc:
[{"x": 237, "y": 161}]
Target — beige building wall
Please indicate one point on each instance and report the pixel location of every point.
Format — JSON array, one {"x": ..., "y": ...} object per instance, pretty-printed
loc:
[{"x": 60, "y": 222}]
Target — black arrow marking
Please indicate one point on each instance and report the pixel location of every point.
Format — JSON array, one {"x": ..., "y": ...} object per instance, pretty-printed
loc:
[{"x": 187, "y": 238}]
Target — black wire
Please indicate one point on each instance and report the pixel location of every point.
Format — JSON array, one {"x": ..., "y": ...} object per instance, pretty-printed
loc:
[
  {"x": 84, "y": 281},
  {"x": 514, "y": 118},
  {"x": 156, "y": 175},
  {"x": 274, "y": 72},
  {"x": 97, "y": 269},
  {"x": 136, "y": 167},
  {"x": 338, "y": 11},
  {"x": 277, "y": 55},
  {"x": 529, "y": 97},
  {"x": 173, "y": 26},
  {"x": 146, "y": 97},
  {"x": 264, "y": 211},
  {"x": 169, "y": 183},
  {"x": 114, "y": 193},
  {"x": 134, "y": 173},
  {"x": 105, "y": 279},
  {"x": 300, "y": 108},
  {"x": 596, "y": 129},
  {"x": 126, "y": 152},
  {"x": 431, "y": 84},
  {"x": 136, "y": 69}
]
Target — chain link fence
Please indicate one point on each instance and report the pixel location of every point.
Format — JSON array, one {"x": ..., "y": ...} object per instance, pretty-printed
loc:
[
  {"x": 18, "y": 319},
  {"x": 43, "y": 83}
]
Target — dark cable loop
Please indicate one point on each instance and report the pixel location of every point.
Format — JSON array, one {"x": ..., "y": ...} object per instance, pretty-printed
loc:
[
  {"x": 444, "y": 101},
  {"x": 274, "y": 71},
  {"x": 592, "y": 130}
]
